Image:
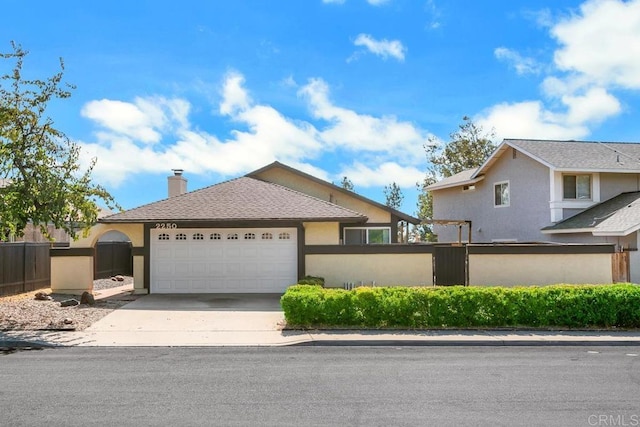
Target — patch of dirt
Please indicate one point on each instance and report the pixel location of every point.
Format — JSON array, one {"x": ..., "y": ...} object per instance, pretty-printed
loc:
[{"x": 24, "y": 312}]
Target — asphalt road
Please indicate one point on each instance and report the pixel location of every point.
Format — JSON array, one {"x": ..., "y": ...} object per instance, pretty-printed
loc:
[{"x": 334, "y": 386}]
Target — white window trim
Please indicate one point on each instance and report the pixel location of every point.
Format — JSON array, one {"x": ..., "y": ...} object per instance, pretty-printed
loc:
[
  {"x": 557, "y": 204},
  {"x": 576, "y": 174},
  {"x": 344, "y": 233},
  {"x": 493, "y": 194}
]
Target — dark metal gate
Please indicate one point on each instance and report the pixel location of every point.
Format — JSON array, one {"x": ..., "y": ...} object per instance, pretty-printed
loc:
[{"x": 450, "y": 265}]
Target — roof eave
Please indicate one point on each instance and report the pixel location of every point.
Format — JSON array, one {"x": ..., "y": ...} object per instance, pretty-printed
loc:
[
  {"x": 357, "y": 219},
  {"x": 596, "y": 170},
  {"x": 567, "y": 230},
  {"x": 620, "y": 233},
  {"x": 454, "y": 184}
]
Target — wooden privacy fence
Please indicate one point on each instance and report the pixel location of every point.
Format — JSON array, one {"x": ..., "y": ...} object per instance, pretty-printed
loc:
[
  {"x": 24, "y": 267},
  {"x": 113, "y": 258}
]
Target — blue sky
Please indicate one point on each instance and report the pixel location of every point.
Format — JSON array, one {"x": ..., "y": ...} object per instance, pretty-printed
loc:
[{"x": 334, "y": 88}]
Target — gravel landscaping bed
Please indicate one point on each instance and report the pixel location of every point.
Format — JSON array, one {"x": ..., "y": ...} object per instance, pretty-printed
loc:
[{"x": 24, "y": 312}]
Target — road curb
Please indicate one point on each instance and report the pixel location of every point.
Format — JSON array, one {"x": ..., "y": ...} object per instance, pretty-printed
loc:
[{"x": 466, "y": 343}]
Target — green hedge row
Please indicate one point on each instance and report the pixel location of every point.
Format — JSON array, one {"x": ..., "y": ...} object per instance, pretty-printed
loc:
[{"x": 572, "y": 306}]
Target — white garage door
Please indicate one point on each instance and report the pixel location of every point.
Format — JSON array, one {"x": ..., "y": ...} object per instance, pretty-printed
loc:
[{"x": 247, "y": 260}]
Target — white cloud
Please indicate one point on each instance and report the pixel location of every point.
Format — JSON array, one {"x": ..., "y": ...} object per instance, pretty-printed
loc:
[
  {"x": 360, "y": 132},
  {"x": 592, "y": 107},
  {"x": 261, "y": 135},
  {"x": 383, "y": 48},
  {"x": 382, "y": 174},
  {"x": 522, "y": 65},
  {"x": 541, "y": 18},
  {"x": 598, "y": 53},
  {"x": 434, "y": 14},
  {"x": 528, "y": 119},
  {"x": 531, "y": 119},
  {"x": 602, "y": 42},
  {"x": 139, "y": 120},
  {"x": 234, "y": 95}
]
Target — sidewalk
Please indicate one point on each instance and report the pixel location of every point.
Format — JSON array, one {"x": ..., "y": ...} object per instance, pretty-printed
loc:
[
  {"x": 183, "y": 321},
  {"x": 236, "y": 338}
]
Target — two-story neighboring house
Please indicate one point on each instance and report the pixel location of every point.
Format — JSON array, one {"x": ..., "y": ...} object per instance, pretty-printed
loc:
[{"x": 535, "y": 191}]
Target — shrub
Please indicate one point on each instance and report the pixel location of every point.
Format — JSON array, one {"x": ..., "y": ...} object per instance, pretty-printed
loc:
[
  {"x": 570, "y": 306},
  {"x": 311, "y": 280}
]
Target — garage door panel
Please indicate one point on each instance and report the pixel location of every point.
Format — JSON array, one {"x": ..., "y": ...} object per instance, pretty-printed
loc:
[
  {"x": 233, "y": 269},
  {"x": 201, "y": 285},
  {"x": 251, "y": 263},
  {"x": 215, "y": 252},
  {"x": 182, "y": 268},
  {"x": 199, "y": 269}
]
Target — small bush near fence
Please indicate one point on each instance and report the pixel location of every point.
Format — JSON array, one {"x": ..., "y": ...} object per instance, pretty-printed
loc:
[{"x": 573, "y": 306}]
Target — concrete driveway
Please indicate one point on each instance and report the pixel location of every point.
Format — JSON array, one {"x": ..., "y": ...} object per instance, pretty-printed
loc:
[{"x": 192, "y": 319}]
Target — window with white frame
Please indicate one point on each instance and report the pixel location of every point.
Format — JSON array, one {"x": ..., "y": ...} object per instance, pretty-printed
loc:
[
  {"x": 501, "y": 196},
  {"x": 366, "y": 235},
  {"x": 576, "y": 187}
]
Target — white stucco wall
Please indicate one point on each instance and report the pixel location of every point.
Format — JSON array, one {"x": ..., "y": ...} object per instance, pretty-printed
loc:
[
  {"x": 71, "y": 274},
  {"x": 367, "y": 269},
  {"x": 539, "y": 269}
]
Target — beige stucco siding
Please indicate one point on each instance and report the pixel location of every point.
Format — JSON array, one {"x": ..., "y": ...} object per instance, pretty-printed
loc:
[
  {"x": 383, "y": 269},
  {"x": 71, "y": 274},
  {"x": 138, "y": 275},
  {"x": 324, "y": 192},
  {"x": 321, "y": 233},
  {"x": 135, "y": 232},
  {"x": 530, "y": 269}
]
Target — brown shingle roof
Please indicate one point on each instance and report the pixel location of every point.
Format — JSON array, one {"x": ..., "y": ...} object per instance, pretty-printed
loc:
[{"x": 241, "y": 199}]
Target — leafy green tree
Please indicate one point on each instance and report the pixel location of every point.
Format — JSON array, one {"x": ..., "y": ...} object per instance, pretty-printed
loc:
[
  {"x": 425, "y": 209},
  {"x": 394, "y": 195},
  {"x": 347, "y": 184},
  {"x": 467, "y": 148},
  {"x": 40, "y": 177}
]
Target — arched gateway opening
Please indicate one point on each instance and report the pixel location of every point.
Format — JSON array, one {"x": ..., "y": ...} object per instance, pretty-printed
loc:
[{"x": 113, "y": 256}]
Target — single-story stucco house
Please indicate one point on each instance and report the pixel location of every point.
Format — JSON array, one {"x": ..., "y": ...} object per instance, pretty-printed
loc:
[{"x": 258, "y": 233}]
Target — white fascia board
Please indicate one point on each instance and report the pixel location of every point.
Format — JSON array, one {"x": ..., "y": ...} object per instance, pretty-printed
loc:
[
  {"x": 455, "y": 184},
  {"x": 586, "y": 170},
  {"x": 617, "y": 232},
  {"x": 497, "y": 152},
  {"x": 501, "y": 149},
  {"x": 568, "y": 231}
]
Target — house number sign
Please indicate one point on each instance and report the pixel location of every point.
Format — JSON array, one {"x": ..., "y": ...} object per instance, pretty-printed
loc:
[{"x": 166, "y": 225}]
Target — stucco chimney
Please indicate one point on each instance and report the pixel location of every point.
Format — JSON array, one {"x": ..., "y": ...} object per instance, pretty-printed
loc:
[{"x": 177, "y": 183}]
